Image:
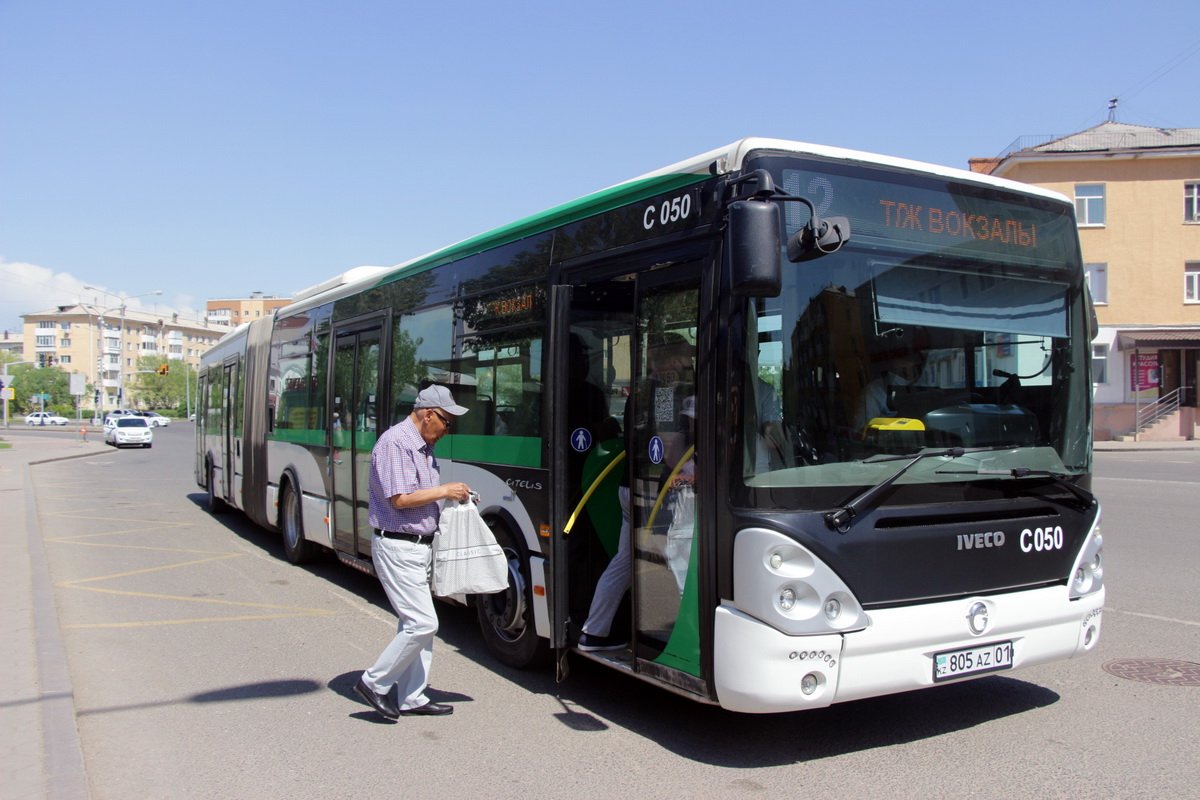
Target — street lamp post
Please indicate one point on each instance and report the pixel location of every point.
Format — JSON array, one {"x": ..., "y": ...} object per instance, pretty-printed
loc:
[
  {"x": 120, "y": 341},
  {"x": 97, "y": 363}
]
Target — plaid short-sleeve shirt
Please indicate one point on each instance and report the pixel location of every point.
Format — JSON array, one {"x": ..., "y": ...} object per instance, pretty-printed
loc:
[{"x": 402, "y": 463}]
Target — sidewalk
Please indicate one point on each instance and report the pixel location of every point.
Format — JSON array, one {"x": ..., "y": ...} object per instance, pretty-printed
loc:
[
  {"x": 1144, "y": 446},
  {"x": 40, "y": 755}
]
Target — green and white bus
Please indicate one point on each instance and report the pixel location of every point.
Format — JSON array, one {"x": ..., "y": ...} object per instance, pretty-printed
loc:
[{"x": 878, "y": 388}]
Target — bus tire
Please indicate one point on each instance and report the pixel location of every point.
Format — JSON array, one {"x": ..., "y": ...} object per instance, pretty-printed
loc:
[
  {"x": 506, "y": 618},
  {"x": 215, "y": 504},
  {"x": 296, "y": 548}
]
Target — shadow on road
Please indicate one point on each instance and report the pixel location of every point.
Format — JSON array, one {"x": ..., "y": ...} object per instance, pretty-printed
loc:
[{"x": 594, "y": 698}]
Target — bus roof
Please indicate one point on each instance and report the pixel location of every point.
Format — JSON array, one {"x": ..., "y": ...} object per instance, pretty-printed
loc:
[{"x": 720, "y": 161}]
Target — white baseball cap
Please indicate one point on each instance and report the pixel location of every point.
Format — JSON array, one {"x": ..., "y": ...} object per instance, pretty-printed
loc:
[{"x": 437, "y": 396}]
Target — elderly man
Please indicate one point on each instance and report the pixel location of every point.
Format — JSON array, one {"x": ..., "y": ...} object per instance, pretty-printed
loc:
[{"x": 404, "y": 506}]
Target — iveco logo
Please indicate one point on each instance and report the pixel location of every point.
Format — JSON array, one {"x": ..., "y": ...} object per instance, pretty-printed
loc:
[{"x": 977, "y": 618}]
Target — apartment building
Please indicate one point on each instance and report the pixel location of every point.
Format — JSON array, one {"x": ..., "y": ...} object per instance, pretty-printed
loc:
[
  {"x": 233, "y": 312},
  {"x": 105, "y": 345},
  {"x": 1137, "y": 202},
  {"x": 12, "y": 343}
]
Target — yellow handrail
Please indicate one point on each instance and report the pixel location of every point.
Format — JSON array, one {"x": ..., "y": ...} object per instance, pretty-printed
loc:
[
  {"x": 668, "y": 483},
  {"x": 591, "y": 490}
]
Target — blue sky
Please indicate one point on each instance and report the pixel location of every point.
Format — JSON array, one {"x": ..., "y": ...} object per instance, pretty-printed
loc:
[{"x": 217, "y": 148}]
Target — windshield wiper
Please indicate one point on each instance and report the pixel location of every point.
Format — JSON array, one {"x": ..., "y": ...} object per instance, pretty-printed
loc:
[
  {"x": 840, "y": 519},
  {"x": 1086, "y": 498}
]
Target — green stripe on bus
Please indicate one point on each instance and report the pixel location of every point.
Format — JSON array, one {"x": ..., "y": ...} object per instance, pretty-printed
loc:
[
  {"x": 302, "y": 436},
  {"x": 584, "y": 207},
  {"x": 514, "y": 451},
  {"x": 683, "y": 648}
]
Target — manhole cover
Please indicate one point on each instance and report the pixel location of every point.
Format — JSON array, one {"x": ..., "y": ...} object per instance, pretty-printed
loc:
[{"x": 1161, "y": 671}]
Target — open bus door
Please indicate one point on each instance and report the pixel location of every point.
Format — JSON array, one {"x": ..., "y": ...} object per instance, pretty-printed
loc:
[
  {"x": 663, "y": 461},
  {"x": 557, "y": 398},
  {"x": 622, "y": 395}
]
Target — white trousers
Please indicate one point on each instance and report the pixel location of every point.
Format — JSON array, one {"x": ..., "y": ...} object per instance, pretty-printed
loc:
[
  {"x": 614, "y": 581},
  {"x": 403, "y": 569}
]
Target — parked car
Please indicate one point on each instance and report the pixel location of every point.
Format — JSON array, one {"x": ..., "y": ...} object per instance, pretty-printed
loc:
[
  {"x": 128, "y": 430},
  {"x": 45, "y": 418},
  {"x": 155, "y": 419},
  {"x": 117, "y": 413}
]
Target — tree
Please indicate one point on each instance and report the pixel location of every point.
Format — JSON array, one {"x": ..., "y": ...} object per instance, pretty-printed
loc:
[
  {"x": 29, "y": 382},
  {"x": 154, "y": 390}
]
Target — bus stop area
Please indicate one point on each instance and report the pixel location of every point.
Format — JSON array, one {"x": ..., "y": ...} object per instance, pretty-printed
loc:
[{"x": 40, "y": 748}]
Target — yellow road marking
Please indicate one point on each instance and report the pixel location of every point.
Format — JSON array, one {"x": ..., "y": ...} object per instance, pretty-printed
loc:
[
  {"x": 193, "y": 621},
  {"x": 284, "y": 611},
  {"x": 160, "y": 568}
]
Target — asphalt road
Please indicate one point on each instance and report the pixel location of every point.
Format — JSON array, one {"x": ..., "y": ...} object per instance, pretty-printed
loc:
[{"x": 206, "y": 666}]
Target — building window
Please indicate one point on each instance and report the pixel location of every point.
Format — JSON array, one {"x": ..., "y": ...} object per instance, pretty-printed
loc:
[
  {"x": 1191, "y": 282},
  {"x": 1089, "y": 203},
  {"x": 1191, "y": 202},
  {"x": 1099, "y": 363},
  {"x": 1097, "y": 278}
]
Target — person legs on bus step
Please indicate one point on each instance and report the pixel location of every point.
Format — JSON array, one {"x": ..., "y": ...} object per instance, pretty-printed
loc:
[{"x": 610, "y": 590}]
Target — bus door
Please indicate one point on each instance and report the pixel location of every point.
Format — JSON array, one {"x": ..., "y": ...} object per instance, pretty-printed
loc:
[
  {"x": 626, "y": 356},
  {"x": 663, "y": 460},
  {"x": 589, "y": 390},
  {"x": 231, "y": 430},
  {"x": 353, "y": 428}
]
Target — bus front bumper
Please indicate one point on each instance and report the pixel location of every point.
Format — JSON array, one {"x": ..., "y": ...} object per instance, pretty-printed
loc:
[{"x": 759, "y": 669}]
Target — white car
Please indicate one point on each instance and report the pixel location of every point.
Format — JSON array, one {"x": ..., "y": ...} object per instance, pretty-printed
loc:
[
  {"x": 155, "y": 419},
  {"x": 117, "y": 413},
  {"x": 128, "y": 431},
  {"x": 45, "y": 418}
]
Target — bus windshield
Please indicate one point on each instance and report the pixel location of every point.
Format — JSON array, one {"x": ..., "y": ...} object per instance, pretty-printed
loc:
[{"x": 953, "y": 318}]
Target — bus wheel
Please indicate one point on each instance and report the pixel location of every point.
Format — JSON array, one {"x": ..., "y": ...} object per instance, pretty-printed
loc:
[
  {"x": 215, "y": 504},
  {"x": 506, "y": 618},
  {"x": 296, "y": 548}
]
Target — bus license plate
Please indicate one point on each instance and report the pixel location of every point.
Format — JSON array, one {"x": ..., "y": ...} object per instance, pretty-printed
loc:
[{"x": 972, "y": 661}]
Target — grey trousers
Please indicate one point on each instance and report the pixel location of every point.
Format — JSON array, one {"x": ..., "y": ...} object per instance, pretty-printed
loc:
[
  {"x": 614, "y": 580},
  {"x": 403, "y": 569}
]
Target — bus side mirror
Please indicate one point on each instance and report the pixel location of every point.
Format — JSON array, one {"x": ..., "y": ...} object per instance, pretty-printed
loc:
[
  {"x": 819, "y": 238},
  {"x": 755, "y": 242}
]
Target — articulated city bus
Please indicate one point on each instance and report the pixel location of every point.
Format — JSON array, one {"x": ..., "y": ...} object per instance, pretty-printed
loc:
[{"x": 847, "y": 398}]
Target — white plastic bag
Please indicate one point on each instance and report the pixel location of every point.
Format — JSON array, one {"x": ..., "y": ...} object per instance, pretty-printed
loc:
[
  {"x": 681, "y": 502},
  {"x": 466, "y": 558}
]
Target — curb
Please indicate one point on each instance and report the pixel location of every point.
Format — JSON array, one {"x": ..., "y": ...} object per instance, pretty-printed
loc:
[{"x": 63, "y": 764}]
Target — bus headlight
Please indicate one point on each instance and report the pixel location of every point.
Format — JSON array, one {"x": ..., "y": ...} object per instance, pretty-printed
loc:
[
  {"x": 787, "y": 598},
  {"x": 780, "y": 582},
  {"x": 1087, "y": 577}
]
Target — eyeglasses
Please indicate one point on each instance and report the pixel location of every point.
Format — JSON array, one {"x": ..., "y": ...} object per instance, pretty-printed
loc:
[{"x": 445, "y": 422}]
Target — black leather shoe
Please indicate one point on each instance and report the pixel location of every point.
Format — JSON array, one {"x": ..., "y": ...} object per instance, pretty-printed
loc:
[
  {"x": 380, "y": 702},
  {"x": 431, "y": 709}
]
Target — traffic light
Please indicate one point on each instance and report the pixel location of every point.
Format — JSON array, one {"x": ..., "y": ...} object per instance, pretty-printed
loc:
[{"x": 163, "y": 369}]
